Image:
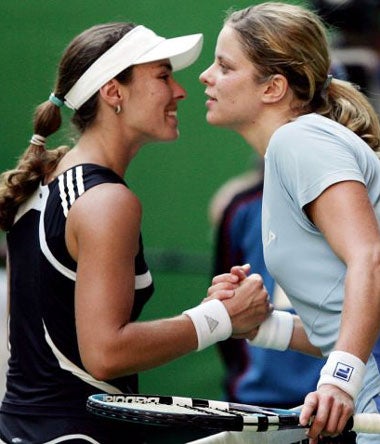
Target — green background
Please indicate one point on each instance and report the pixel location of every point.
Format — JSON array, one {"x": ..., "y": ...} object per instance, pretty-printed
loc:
[{"x": 175, "y": 181}]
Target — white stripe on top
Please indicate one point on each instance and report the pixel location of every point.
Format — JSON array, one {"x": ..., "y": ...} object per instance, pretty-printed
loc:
[
  {"x": 67, "y": 365},
  {"x": 70, "y": 437}
]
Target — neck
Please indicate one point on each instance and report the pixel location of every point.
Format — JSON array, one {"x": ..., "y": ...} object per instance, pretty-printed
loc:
[
  {"x": 259, "y": 133},
  {"x": 93, "y": 147}
]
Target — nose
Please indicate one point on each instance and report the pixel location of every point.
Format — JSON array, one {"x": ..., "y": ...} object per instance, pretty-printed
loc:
[
  {"x": 179, "y": 92},
  {"x": 205, "y": 76}
]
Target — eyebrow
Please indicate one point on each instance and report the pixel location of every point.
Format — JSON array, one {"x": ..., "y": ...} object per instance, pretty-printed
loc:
[
  {"x": 166, "y": 65},
  {"x": 221, "y": 58}
]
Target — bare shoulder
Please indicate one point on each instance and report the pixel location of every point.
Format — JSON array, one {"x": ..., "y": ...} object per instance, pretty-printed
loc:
[
  {"x": 103, "y": 214},
  {"x": 106, "y": 200}
]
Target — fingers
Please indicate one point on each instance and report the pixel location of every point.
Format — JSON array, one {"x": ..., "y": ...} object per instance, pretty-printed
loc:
[
  {"x": 249, "y": 307},
  {"x": 256, "y": 277},
  {"x": 225, "y": 278},
  {"x": 220, "y": 294},
  {"x": 308, "y": 409},
  {"x": 245, "y": 298},
  {"x": 222, "y": 285},
  {"x": 328, "y": 411},
  {"x": 222, "y": 290},
  {"x": 241, "y": 271}
]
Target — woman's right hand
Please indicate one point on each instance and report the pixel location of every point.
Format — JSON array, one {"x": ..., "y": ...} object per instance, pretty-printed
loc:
[
  {"x": 249, "y": 307},
  {"x": 245, "y": 298}
]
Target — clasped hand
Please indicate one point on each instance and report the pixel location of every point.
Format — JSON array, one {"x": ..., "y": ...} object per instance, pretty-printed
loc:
[{"x": 245, "y": 298}]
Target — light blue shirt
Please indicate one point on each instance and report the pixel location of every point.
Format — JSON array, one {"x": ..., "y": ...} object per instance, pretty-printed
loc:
[{"x": 303, "y": 159}]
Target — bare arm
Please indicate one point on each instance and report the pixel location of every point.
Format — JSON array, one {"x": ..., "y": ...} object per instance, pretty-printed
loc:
[
  {"x": 104, "y": 226},
  {"x": 300, "y": 342},
  {"x": 346, "y": 218},
  {"x": 102, "y": 236}
]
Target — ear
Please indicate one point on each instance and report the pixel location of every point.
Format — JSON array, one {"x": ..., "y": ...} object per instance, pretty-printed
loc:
[
  {"x": 276, "y": 88},
  {"x": 112, "y": 92}
]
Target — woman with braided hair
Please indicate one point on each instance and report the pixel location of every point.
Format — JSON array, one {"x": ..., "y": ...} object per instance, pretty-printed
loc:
[{"x": 78, "y": 277}]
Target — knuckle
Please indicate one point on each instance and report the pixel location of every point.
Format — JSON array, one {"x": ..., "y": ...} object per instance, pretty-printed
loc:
[{"x": 255, "y": 277}]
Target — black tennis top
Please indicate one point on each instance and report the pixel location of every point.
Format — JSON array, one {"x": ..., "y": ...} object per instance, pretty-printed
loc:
[{"x": 46, "y": 375}]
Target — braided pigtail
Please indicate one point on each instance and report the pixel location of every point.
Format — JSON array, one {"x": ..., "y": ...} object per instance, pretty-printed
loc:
[{"x": 18, "y": 184}]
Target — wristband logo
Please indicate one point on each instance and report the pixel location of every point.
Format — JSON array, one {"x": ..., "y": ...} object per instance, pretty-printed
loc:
[
  {"x": 343, "y": 371},
  {"x": 212, "y": 323}
]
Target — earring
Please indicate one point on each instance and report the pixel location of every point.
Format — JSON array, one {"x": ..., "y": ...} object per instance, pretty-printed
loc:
[{"x": 117, "y": 109}]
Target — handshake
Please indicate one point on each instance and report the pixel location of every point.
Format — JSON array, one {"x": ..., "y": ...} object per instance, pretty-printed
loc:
[{"x": 238, "y": 305}]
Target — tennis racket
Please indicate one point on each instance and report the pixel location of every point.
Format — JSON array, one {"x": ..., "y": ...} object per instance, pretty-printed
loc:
[{"x": 173, "y": 411}]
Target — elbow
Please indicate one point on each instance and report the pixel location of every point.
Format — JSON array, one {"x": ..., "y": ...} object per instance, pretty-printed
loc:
[
  {"x": 100, "y": 372},
  {"x": 105, "y": 366},
  {"x": 99, "y": 368},
  {"x": 374, "y": 260}
]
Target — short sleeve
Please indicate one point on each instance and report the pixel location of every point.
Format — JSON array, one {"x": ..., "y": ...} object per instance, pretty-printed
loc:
[{"x": 308, "y": 159}]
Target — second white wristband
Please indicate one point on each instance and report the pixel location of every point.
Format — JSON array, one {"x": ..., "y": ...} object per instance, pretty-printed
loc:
[
  {"x": 211, "y": 321},
  {"x": 345, "y": 371},
  {"x": 275, "y": 332}
]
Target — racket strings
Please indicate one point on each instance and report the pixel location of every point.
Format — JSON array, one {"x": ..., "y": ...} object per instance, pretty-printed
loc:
[{"x": 210, "y": 410}]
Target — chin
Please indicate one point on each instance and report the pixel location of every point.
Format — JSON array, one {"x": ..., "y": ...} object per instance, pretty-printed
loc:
[
  {"x": 170, "y": 137},
  {"x": 214, "y": 121}
]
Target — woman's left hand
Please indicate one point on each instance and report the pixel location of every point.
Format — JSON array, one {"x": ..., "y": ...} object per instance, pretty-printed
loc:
[
  {"x": 223, "y": 286},
  {"x": 328, "y": 409}
]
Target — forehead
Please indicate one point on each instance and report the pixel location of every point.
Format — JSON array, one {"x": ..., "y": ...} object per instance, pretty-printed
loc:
[
  {"x": 229, "y": 47},
  {"x": 153, "y": 66}
]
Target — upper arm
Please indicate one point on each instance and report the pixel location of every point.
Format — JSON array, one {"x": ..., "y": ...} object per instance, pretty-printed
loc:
[
  {"x": 103, "y": 230},
  {"x": 345, "y": 216}
]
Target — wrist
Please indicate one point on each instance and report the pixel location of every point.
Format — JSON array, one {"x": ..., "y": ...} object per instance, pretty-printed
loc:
[
  {"x": 275, "y": 332},
  {"x": 345, "y": 371},
  {"x": 211, "y": 321}
]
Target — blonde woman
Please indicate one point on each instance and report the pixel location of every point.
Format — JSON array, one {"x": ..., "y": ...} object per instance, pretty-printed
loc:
[{"x": 270, "y": 82}]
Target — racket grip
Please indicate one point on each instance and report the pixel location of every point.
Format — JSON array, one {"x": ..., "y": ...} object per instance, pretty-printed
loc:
[{"x": 364, "y": 423}]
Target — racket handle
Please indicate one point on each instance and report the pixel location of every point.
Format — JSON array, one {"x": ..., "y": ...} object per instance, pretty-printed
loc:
[{"x": 365, "y": 423}]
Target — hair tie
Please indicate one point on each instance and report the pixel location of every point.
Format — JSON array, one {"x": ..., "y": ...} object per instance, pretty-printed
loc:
[
  {"x": 57, "y": 101},
  {"x": 38, "y": 140},
  {"x": 327, "y": 82}
]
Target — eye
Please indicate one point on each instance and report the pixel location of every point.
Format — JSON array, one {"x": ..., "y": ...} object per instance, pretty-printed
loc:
[
  {"x": 165, "y": 77},
  {"x": 224, "y": 67}
]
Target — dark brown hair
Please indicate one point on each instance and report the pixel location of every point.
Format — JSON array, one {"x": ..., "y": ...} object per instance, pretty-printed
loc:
[{"x": 18, "y": 184}]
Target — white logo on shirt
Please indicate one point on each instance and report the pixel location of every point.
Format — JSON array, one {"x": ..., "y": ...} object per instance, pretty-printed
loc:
[{"x": 271, "y": 237}]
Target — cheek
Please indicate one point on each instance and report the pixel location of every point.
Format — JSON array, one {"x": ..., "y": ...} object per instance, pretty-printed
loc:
[{"x": 232, "y": 92}]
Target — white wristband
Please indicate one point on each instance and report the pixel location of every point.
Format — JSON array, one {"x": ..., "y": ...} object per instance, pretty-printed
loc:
[
  {"x": 275, "y": 332},
  {"x": 211, "y": 321},
  {"x": 345, "y": 371}
]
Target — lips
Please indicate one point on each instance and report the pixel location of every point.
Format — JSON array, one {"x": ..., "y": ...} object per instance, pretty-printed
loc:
[
  {"x": 209, "y": 96},
  {"x": 172, "y": 113},
  {"x": 210, "y": 99},
  {"x": 171, "y": 116}
]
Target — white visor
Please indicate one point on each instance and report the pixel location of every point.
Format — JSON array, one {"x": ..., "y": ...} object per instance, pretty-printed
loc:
[{"x": 140, "y": 45}]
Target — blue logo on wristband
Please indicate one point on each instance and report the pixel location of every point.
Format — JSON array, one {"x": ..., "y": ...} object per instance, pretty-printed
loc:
[{"x": 343, "y": 371}]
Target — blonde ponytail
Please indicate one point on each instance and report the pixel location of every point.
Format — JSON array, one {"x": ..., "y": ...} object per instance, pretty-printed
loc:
[{"x": 347, "y": 105}]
